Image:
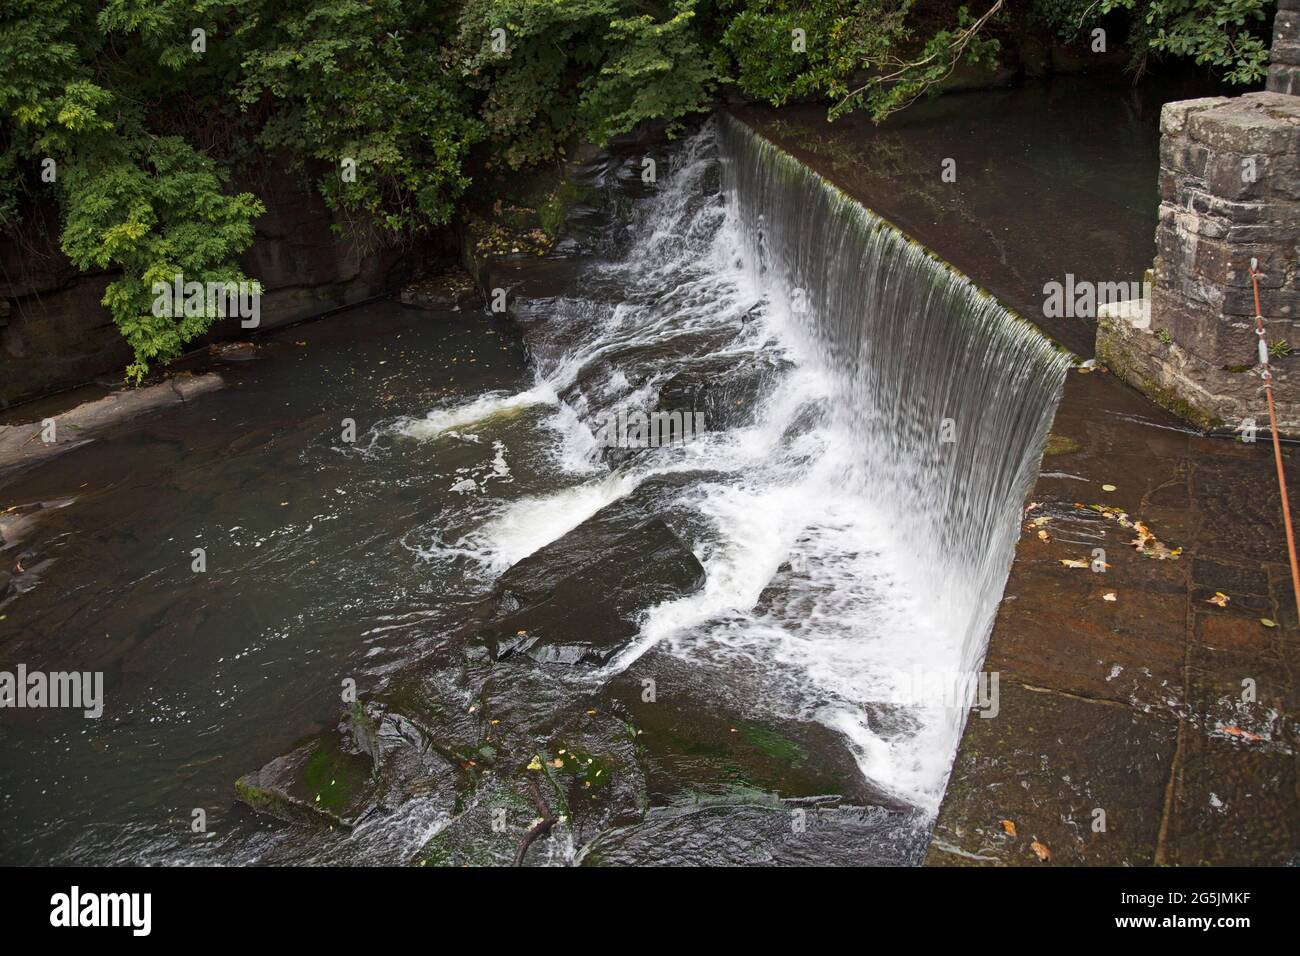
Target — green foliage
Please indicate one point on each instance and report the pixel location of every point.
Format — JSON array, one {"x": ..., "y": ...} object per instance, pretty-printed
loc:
[
  {"x": 149, "y": 127},
  {"x": 862, "y": 54},
  {"x": 654, "y": 71},
  {"x": 546, "y": 70},
  {"x": 1066, "y": 18},
  {"x": 161, "y": 216},
  {"x": 1224, "y": 34},
  {"x": 358, "y": 80},
  {"x": 527, "y": 74}
]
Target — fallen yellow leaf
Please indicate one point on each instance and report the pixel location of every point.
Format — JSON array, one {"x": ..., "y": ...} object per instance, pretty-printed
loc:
[
  {"x": 1009, "y": 827},
  {"x": 1041, "y": 851},
  {"x": 1219, "y": 598}
]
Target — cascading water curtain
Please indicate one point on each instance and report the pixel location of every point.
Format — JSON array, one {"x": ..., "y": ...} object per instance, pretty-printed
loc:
[{"x": 949, "y": 396}]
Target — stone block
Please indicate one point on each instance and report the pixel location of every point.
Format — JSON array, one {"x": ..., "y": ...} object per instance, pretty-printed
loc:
[
  {"x": 1118, "y": 760},
  {"x": 1286, "y": 38},
  {"x": 1238, "y": 176},
  {"x": 1274, "y": 304},
  {"x": 1244, "y": 127},
  {"x": 1174, "y": 116},
  {"x": 1284, "y": 79},
  {"x": 1217, "y": 339},
  {"x": 1181, "y": 155}
]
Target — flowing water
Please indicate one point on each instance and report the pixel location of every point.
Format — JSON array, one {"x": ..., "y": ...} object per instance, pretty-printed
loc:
[{"x": 854, "y": 505}]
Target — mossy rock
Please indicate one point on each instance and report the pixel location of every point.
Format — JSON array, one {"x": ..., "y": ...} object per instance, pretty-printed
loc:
[
  {"x": 318, "y": 783},
  {"x": 487, "y": 833}
]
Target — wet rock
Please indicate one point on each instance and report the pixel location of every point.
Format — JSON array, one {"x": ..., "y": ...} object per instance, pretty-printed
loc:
[
  {"x": 723, "y": 389},
  {"x": 487, "y": 833},
  {"x": 320, "y": 782},
  {"x": 19, "y": 521},
  {"x": 1118, "y": 759},
  {"x": 1060, "y": 445},
  {"x": 447, "y": 290},
  {"x": 596, "y": 770},
  {"x": 700, "y": 748},
  {"x": 23, "y": 445},
  {"x": 233, "y": 351},
  {"x": 580, "y": 778},
  {"x": 589, "y": 614},
  {"x": 792, "y": 833},
  {"x": 383, "y": 754}
]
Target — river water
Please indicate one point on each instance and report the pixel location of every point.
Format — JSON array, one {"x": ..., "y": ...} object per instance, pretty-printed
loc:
[{"x": 874, "y": 424}]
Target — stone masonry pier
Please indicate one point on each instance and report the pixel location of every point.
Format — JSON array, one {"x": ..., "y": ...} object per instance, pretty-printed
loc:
[{"x": 1229, "y": 193}]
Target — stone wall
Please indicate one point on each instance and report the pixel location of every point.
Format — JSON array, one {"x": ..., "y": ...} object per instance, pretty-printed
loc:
[
  {"x": 1284, "y": 71},
  {"x": 54, "y": 333},
  {"x": 1229, "y": 192}
]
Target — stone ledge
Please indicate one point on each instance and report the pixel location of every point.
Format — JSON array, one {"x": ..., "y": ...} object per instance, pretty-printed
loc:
[
  {"x": 22, "y": 445},
  {"x": 1117, "y": 760},
  {"x": 1207, "y": 396}
]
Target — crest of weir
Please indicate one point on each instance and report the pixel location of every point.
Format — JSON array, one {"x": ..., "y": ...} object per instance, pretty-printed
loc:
[{"x": 948, "y": 395}]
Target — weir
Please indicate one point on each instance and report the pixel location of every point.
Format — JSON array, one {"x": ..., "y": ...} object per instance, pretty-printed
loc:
[{"x": 947, "y": 395}]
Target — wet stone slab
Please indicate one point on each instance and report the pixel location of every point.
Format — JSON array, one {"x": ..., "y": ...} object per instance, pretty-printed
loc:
[
  {"x": 1204, "y": 694},
  {"x": 1046, "y": 765}
]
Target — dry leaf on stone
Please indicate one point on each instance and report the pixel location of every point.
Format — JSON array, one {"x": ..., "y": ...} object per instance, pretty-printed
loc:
[{"x": 1238, "y": 732}]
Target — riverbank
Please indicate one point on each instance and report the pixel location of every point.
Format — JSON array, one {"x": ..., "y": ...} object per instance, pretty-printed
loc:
[{"x": 1122, "y": 735}]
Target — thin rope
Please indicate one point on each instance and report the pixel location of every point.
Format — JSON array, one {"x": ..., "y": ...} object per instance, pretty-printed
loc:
[{"x": 1277, "y": 442}]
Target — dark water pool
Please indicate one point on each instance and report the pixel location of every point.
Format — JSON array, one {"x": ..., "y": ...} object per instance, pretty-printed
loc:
[{"x": 313, "y": 575}]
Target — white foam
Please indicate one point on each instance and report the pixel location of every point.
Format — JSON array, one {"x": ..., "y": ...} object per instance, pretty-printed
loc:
[
  {"x": 492, "y": 405},
  {"x": 529, "y": 523}
]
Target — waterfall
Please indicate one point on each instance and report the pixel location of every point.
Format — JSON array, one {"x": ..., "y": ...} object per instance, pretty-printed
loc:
[
  {"x": 910, "y": 343},
  {"x": 854, "y": 560}
]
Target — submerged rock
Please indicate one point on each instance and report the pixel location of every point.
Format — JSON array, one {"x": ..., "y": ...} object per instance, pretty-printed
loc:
[
  {"x": 469, "y": 727},
  {"x": 447, "y": 290},
  {"x": 791, "y": 833},
  {"x": 26, "y": 444}
]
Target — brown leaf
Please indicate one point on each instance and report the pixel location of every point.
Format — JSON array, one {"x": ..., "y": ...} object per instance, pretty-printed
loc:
[
  {"x": 1243, "y": 734},
  {"x": 1041, "y": 851},
  {"x": 1009, "y": 827}
]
